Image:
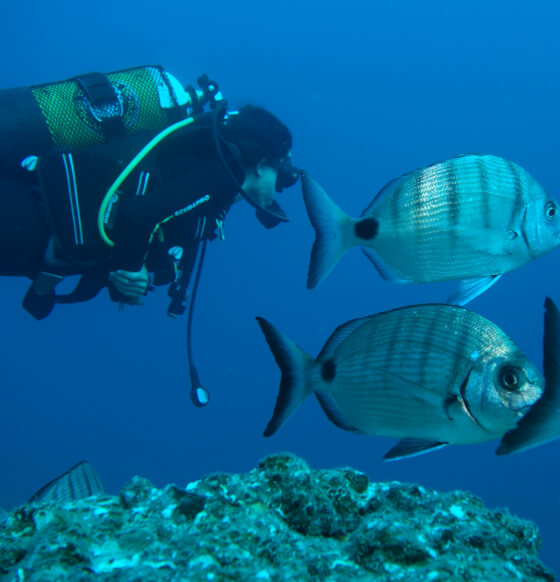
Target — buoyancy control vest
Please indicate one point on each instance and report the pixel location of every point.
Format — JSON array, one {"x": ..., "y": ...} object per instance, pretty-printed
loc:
[
  {"x": 60, "y": 126},
  {"x": 63, "y": 120}
]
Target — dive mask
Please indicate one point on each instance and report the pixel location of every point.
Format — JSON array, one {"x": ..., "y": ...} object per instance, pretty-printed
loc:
[{"x": 288, "y": 175}]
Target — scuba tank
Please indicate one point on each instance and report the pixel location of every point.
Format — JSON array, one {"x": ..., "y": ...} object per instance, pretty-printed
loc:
[{"x": 93, "y": 108}]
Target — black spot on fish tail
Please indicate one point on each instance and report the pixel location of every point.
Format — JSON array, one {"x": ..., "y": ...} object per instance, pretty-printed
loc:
[
  {"x": 328, "y": 370},
  {"x": 367, "y": 228}
]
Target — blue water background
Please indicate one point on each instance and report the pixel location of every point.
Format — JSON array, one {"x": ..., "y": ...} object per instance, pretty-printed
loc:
[{"x": 370, "y": 90}]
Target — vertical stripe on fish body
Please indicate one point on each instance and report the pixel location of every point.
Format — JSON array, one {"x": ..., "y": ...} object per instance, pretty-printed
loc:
[
  {"x": 79, "y": 482},
  {"x": 473, "y": 215},
  {"x": 427, "y": 372}
]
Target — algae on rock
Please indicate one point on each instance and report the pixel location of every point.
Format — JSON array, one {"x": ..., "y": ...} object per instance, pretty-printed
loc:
[{"x": 281, "y": 521}]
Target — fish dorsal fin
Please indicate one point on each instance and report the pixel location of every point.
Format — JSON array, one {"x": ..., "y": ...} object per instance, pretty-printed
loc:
[
  {"x": 407, "y": 448},
  {"x": 469, "y": 289},
  {"x": 331, "y": 409},
  {"x": 542, "y": 423},
  {"x": 339, "y": 335},
  {"x": 388, "y": 273},
  {"x": 78, "y": 482}
]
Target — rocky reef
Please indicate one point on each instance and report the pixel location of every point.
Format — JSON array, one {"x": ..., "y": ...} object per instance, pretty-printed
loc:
[{"x": 280, "y": 522}]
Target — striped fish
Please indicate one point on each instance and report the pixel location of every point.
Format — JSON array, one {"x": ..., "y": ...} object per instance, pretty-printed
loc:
[
  {"x": 470, "y": 218},
  {"x": 78, "y": 482},
  {"x": 431, "y": 375}
]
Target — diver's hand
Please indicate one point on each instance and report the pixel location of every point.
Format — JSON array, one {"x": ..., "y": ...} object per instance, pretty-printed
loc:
[{"x": 132, "y": 284}]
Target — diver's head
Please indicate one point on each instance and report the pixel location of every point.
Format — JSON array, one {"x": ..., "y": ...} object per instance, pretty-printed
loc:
[{"x": 264, "y": 144}]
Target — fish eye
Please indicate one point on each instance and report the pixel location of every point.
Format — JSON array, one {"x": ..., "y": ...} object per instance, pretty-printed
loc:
[
  {"x": 509, "y": 378},
  {"x": 550, "y": 210}
]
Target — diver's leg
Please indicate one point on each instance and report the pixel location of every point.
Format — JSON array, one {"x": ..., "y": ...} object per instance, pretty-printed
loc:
[{"x": 23, "y": 230}]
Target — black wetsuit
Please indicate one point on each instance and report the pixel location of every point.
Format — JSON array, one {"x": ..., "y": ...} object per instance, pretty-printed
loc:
[
  {"x": 24, "y": 232},
  {"x": 190, "y": 201},
  {"x": 183, "y": 186}
]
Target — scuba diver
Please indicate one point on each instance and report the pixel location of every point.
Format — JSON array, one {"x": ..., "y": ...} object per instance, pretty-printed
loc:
[{"x": 123, "y": 179}]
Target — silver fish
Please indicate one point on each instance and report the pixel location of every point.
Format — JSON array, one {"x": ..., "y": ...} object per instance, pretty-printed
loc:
[
  {"x": 471, "y": 218},
  {"x": 78, "y": 482},
  {"x": 542, "y": 423},
  {"x": 431, "y": 375}
]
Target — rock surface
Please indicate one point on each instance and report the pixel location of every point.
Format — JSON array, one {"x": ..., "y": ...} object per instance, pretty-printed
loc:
[{"x": 280, "y": 522}]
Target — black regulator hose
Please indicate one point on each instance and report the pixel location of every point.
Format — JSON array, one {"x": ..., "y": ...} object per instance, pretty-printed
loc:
[{"x": 199, "y": 394}]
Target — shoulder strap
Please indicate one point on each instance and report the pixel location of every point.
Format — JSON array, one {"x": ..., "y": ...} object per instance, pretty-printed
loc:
[
  {"x": 103, "y": 98},
  {"x": 72, "y": 185}
]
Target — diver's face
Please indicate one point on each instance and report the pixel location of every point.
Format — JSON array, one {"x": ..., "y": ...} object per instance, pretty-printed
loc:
[{"x": 260, "y": 184}]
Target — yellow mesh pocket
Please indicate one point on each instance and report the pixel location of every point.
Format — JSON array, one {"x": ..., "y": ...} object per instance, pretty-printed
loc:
[
  {"x": 74, "y": 122},
  {"x": 65, "y": 125},
  {"x": 148, "y": 113}
]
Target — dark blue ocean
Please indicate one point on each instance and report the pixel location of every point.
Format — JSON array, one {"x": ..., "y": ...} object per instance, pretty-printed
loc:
[{"x": 370, "y": 90}]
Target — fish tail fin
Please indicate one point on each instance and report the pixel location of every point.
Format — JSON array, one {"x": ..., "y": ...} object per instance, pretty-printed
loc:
[
  {"x": 294, "y": 364},
  {"x": 333, "y": 230}
]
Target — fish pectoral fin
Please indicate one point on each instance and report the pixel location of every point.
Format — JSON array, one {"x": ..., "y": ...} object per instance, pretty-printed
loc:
[
  {"x": 388, "y": 273},
  {"x": 469, "y": 289},
  {"x": 408, "y": 447}
]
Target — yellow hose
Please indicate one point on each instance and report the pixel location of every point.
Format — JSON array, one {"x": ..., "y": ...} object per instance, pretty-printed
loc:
[{"x": 129, "y": 168}]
